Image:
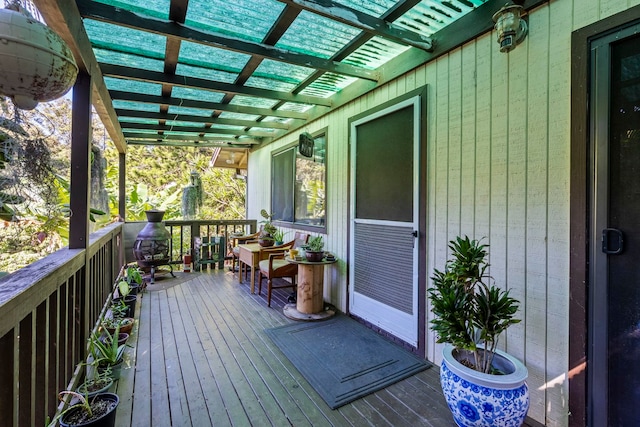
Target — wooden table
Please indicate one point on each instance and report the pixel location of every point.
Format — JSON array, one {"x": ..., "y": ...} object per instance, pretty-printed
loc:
[
  {"x": 248, "y": 256},
  {"x": 310, "y": 297}
]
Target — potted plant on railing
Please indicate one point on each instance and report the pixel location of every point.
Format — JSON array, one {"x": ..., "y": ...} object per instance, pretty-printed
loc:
[
  {"x": 483, "y": 386},
  {"x": 314, "y": 249},
  {"x": 268, "y": 230}
]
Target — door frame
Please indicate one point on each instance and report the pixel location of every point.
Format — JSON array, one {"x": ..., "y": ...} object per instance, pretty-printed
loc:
[
  {"x": 421, "y": 241},
  {"x": 580, "y": 394}
]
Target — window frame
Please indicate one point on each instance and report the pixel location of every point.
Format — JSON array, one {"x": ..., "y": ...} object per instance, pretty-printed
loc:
[{"x": 293, "y": 224}]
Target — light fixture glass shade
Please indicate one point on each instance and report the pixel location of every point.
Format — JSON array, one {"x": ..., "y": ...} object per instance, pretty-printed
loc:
[{"x": 510, "y": 26}]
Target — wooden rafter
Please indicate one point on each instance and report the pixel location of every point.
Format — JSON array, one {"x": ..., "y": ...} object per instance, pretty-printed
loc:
[{"x": 195, "y": 129}]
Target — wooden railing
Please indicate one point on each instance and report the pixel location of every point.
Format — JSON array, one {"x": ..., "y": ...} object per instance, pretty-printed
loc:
[
  {"x": 184, "y": 232},
  {"x": 47, "y": 310}
]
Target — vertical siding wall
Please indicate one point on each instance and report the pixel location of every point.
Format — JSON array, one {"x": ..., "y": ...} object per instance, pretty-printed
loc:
[{"x": 498, "y": 169}]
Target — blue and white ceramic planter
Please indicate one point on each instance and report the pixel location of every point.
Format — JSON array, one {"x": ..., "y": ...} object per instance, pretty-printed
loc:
[{"x": 477, "y": 399}]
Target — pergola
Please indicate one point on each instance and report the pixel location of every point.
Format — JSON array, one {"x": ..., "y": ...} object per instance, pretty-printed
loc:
[{"x": 242, "y": 73}]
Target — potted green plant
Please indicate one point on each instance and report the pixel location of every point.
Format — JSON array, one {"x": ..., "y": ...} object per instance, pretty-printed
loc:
[
  {"x": 266, "y": 237},
  {"x": 96, "y": 380},
  {"x": 96, "y": 411},
  {"x": 314, "y": 249},
  {"x": 107, "y": 352},
  {"x": 133, "y": 281},
  {"x": 481, "y": 383},
  {"x": 278, "y": 236},
  {"x": 125, "y": 324}
]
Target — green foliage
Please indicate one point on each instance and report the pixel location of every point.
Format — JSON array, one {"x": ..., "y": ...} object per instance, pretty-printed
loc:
[
  {"x": 82, "y": 403},
  {"x": 268, "y": 229},
  {"x": 154, "y": 179},
  {"x": 106, "y": 351},
  {"x": 279, "y": 235},
  {"x": 315, "y": 244},
  {"x": 468, "y": 311}
]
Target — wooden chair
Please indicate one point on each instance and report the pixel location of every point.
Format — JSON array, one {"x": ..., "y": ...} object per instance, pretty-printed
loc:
[
  {"x": 239, "y": 240},
  {"x": 275, "y": 266}
]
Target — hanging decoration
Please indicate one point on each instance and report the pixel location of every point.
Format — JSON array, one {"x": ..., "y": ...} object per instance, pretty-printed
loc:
[
  {"x": 192, "y": 197},
  {"x": 36, "y": 65},
  {"x": 305, "y": 144}
]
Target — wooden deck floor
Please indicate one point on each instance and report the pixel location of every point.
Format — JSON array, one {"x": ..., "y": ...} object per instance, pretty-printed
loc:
[{"x": 200, "y": 358}]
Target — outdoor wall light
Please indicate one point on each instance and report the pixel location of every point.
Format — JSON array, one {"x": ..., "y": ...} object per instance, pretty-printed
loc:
[{"x": 511, "y": 28}]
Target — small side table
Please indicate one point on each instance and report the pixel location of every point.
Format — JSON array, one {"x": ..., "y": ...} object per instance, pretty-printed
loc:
[{"x": 310, "y": 299}]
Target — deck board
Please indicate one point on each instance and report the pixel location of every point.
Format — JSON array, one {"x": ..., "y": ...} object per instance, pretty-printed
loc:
[{"x": 203, "y": 359}]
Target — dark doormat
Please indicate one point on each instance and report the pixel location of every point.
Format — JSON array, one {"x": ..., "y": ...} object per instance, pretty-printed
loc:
[{"x": 344, "y": 360}]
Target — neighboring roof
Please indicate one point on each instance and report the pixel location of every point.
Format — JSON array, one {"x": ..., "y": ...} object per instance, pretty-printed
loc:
[{"x": 244, "y": 72}]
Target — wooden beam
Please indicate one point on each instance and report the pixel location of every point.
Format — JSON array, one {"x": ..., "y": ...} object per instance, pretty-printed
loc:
[
  {"x": 369, "y": 24},
  {"x": 196, "y": 129},
  {"x": 242, "y": 140},
  {"x": 63, "y": 17},
  {"x": 110, "y": 14},
  {"x": 210, "y": 85},
  {"x": 205, "y": 105},
  {"x": 182, "y": 143},
  {"x": 200, "y": 119}
]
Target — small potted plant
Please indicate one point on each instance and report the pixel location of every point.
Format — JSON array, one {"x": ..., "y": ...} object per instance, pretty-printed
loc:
[
  {"x": 266, "y": 237},
  {"x": 482, "y": 385},
  {"x": 125, "y": 324},
  {"x": 99, "y": 410},
  {"x": 107, "y": 352},
  {"x": 278, "y": 236},
  {"x": 133, "y": 279},
  {"x": 314, "y": 249},
  {"x": 96, "y": 380}
]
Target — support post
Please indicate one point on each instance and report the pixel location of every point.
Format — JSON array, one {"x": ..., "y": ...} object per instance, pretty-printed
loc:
[
  {"x": 122, "y": 183},
  {"x": 80, "y": 162}
]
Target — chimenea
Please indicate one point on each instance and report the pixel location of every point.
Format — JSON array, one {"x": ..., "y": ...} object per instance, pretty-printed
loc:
[{"x": 151, "y": 248}]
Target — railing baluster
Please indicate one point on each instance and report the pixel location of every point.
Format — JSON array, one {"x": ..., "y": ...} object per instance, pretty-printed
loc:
[
  {"x": 41, "y": 356},
  {"x": 8, "y": 384}
]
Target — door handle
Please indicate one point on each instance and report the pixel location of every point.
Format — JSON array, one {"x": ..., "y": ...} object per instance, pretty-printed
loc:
[
  {"x": 414, "y": 233},
  {"x": 612, "y": 241}
]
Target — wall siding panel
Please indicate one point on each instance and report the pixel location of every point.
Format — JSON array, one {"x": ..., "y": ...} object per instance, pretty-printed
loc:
[{"x": 498, "y": 168}]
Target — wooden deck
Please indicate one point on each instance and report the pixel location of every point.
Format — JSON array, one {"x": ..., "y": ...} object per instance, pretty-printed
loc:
[{"x": 200, "y": 358}]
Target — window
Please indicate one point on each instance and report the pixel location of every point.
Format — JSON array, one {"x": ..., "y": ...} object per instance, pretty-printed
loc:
[{"x": 298, "y": 185}]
